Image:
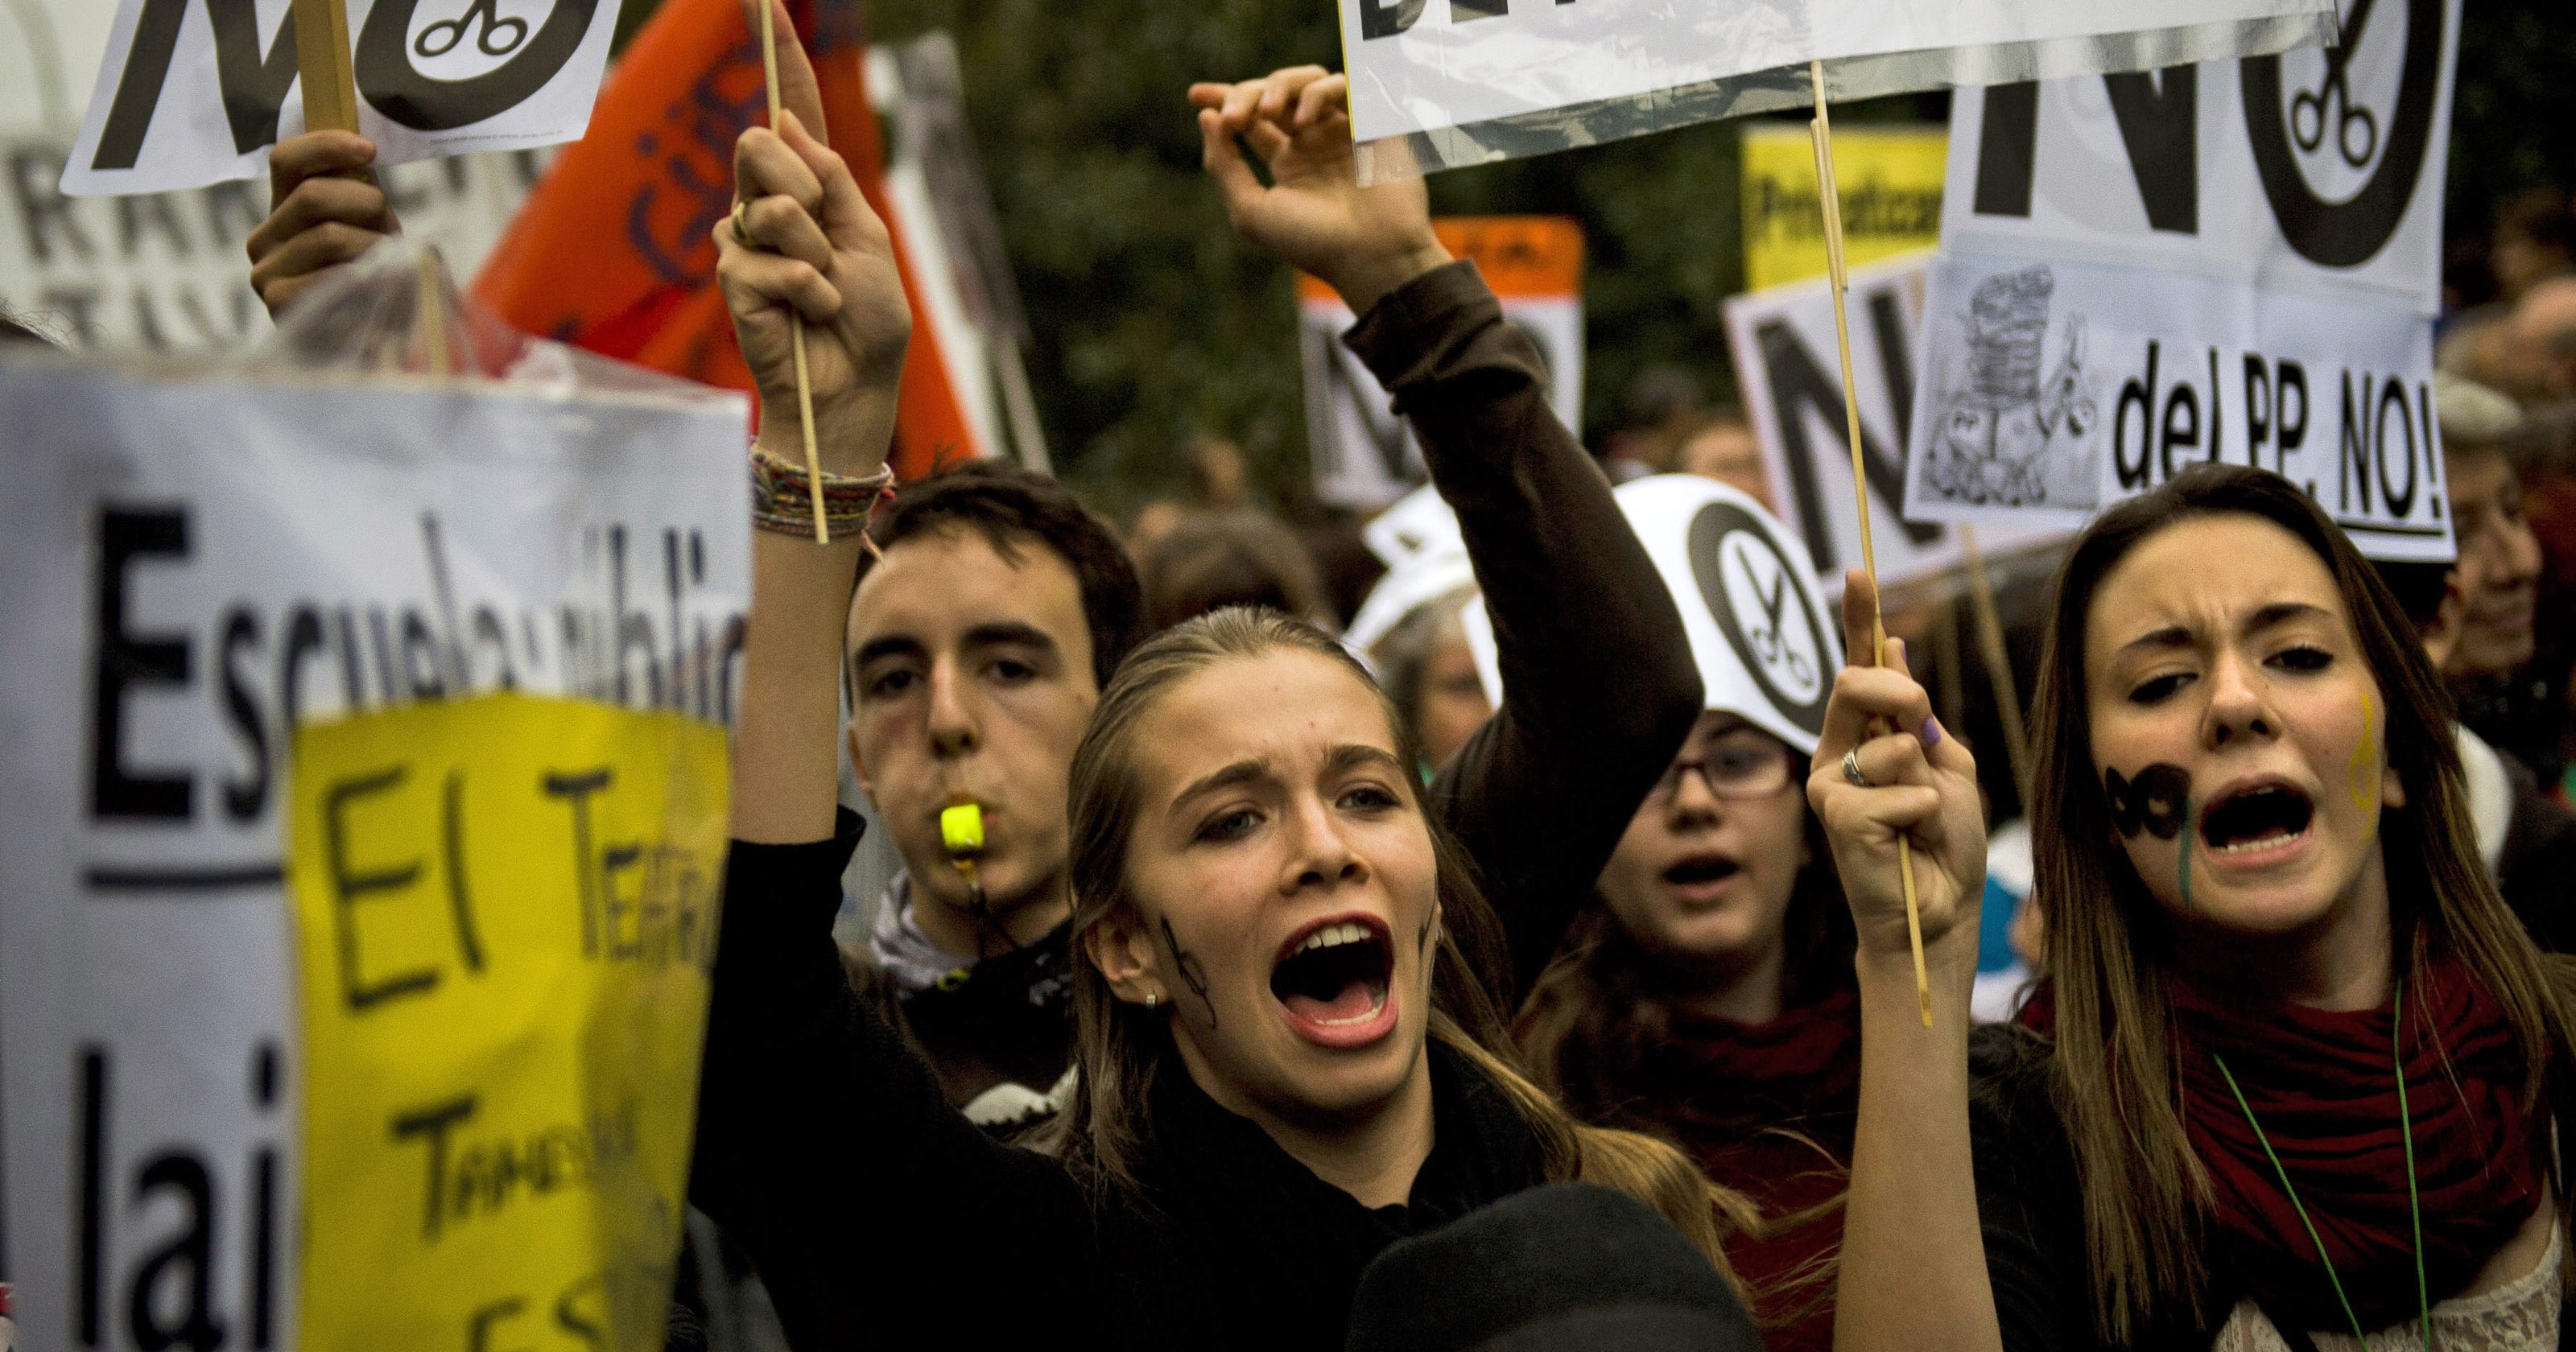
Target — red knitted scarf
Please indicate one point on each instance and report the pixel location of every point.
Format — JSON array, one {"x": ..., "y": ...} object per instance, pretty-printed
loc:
[{"x": 2324, "y": 1088}]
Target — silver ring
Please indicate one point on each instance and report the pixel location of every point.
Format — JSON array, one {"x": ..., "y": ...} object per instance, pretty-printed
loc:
[
  {"x": 1851, "y": 770},
  {"x": 742, "y": 224}
]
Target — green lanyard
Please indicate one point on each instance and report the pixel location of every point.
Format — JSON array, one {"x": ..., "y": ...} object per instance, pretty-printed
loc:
[{"x": 2414, "y": 1202}]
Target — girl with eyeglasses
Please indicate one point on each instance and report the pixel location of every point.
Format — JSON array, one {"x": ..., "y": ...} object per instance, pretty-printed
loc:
[{"x": 1705, "y": 994}]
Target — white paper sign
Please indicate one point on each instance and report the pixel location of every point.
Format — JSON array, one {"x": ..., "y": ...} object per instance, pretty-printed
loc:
[
  {"x": 197, "y": 566},
  {"x": 1469, "y": 80},
  {"x": 2236, "y": 261},
  {"x": 1765, "y": 645},
  {"x": 1789, "y": 372},
  {"x": 1364, "y": 455},
  {"x": 165, "y": 272},
  {"x": 195, "y": 93}
]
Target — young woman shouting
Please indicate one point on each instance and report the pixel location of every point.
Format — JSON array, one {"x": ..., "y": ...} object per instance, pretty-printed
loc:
[
  {"x": 2292, "y": 1086},
  {"x": 1287, "y": 1052}
]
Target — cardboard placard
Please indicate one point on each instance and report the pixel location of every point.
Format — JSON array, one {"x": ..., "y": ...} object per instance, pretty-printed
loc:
[
  {"x": 1786, "y": 366},
  {"x": 1364, "y": 456},
  {"x": 1891, "y": 186}
]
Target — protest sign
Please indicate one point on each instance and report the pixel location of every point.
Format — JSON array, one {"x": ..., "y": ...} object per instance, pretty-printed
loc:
[
  {"x": 204, "y": 569},
  {"x": 1891, "y": 191},
  {"x": 1364, "y": 455},
  {"x": 165, "y": 272},
  {"x": 1435, "y": 86},
  {"x": 1783, "y": 343},
  {"x": 2233, "y": 261},
  {"x": 1764, "y": 643},
  {"x": 506, "y": 909},
  {"x": 193, "y": 94}
]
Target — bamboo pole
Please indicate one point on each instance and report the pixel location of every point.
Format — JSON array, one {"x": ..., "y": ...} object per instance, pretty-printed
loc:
[
  {"x": 1990, "y": 647},
  {"x": 1827, "y": 198},
  {"x": 804, "y": 380}
]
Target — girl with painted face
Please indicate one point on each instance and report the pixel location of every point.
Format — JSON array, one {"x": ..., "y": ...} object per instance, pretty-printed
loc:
[
  {"x": 1286, "y": 974},
  {"x": 1706, "y": 992},
  {"x": 2293, "y": 1083}
]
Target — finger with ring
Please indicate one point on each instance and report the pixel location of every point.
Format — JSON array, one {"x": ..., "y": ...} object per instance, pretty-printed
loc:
[
  {"x": 1851, "y": 769},
  {"x": 742, "y": 223}
]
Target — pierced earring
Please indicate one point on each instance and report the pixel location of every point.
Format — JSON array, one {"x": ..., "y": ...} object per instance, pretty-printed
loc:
[{"x": 1152, "y": 999}]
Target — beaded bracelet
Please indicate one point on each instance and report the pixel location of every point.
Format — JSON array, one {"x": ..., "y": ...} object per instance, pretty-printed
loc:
[{"x": 782, "y": 499}]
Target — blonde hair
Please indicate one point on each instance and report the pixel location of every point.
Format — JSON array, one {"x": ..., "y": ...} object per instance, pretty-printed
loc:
[{"x": 1105, "y": 1130}]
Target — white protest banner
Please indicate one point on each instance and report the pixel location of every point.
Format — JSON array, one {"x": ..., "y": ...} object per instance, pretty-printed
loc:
[
  {"x": 192, "y": 94},
  {"x": 1440, "y": 83},
  {"x": 1765, "y": 644},
  {"x": 1785, "y": 365},
  {"x": 1364, "y": 456},
  {"x": 365, "y": 776},
  {"x": 2234, "y": 261},
  {"x": 165, "y": 272}
]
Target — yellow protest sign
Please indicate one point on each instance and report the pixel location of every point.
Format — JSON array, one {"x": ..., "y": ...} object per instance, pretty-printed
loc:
[
  {"x": 506, "y": 914},
  {"x": 1891, "y": 197}
]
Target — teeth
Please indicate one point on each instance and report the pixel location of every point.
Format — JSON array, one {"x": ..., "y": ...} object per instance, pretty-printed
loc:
[
  {"x": 2261, "y": 842},
  {"x": 1334, "y": 936}
]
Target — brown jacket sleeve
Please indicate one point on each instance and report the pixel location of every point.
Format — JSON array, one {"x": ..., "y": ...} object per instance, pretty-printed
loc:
[{"x": 1598, "y": 686}]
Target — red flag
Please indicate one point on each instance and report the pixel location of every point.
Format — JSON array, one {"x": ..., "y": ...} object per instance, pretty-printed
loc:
[{"x": 612, "y": 252}]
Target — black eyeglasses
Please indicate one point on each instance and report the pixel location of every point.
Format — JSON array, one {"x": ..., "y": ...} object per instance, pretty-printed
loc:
[{"x": 1740, "y": 764}]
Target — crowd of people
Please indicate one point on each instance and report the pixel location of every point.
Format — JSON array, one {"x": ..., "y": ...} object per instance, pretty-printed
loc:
[{"x": 1517, "y": 973}]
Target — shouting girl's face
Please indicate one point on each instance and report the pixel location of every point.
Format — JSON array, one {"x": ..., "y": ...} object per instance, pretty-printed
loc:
[
  {"x": 1283, "y": 898},
  {"x": 2237, "y": 730}
]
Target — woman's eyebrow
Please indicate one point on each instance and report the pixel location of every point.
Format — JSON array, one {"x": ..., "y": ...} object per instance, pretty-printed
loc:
[
  {"x": 1351, "y": 755},
  {"x": 1241, "y": 772}
]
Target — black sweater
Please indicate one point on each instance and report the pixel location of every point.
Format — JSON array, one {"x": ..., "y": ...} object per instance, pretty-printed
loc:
[{"x": 879, "y": 1217}]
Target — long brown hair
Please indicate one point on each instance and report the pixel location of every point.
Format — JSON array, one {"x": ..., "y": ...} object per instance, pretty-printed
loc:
[
  {"x": 1604, "y": 1000},
  {"x": 1121, "y": 1047},
  {"x": 2110, "y": 945}
]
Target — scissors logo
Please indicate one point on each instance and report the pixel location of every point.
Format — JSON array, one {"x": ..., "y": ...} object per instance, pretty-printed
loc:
[
  {"x": 1765, "y": 609},
  {"x": 447, "y": 35},
  {"x": 2356, "y": 131}
]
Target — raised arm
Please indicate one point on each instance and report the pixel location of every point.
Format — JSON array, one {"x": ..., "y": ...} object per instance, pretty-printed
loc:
[
  {"x": 824, "y": 1144},
  {"x": 1914, "y": 1273},
  {"x": 1598, "y": 685}
]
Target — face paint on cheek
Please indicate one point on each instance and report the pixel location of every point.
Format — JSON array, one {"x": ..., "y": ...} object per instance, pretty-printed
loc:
[
  {"x": 1191, "y": 972},
  {"x": 2365, "y": 757},
  {"x": 2157, "y": 802},
  {"x": 2182, "y": 866}
]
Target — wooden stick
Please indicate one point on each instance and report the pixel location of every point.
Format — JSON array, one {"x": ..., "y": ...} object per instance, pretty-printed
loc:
[
  {"x": 1827, "y": 198},
  {"x": 322, "y": 59},
  {"x": 796, "y": 333},
  {"x": 1990, "y": 646},
  {"x": 433, "y": 315}
]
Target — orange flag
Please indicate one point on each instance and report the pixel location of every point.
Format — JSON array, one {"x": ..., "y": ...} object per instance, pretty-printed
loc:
[{"x": 613, "y": 253}]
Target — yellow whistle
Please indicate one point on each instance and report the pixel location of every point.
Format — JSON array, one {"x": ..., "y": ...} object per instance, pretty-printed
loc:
[{"x": 961, "y": 829}]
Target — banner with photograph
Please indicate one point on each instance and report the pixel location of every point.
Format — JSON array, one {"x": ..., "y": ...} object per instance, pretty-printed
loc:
[{"x": 2235, "y": 261}]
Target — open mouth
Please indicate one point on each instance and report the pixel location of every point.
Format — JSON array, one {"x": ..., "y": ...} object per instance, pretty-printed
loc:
[
  {"x": 1701, "y": 877},
  {"x": 2262, "y": 818},
  {"x": 1333, "y": 980}
]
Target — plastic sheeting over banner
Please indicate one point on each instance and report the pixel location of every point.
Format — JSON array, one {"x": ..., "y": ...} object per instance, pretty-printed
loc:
[
  {"x": 1436, "y": 84},
  {"x": 205, "y": 564},
  {"x": 2237, "y": 261}
]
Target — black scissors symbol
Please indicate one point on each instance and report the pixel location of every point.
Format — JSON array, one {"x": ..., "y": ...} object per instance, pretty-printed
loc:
[
  {"x": 447, "y": 35},
  {"x": 2308, "y": 106}
]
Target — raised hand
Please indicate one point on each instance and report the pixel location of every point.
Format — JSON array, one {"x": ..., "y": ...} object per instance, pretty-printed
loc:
[
  {"x": 816, "y": 249},
  {"x": 1920, "y": 783},
  {"x": 1364, "y": 242},
  {"x": 324, "y": 210}
]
